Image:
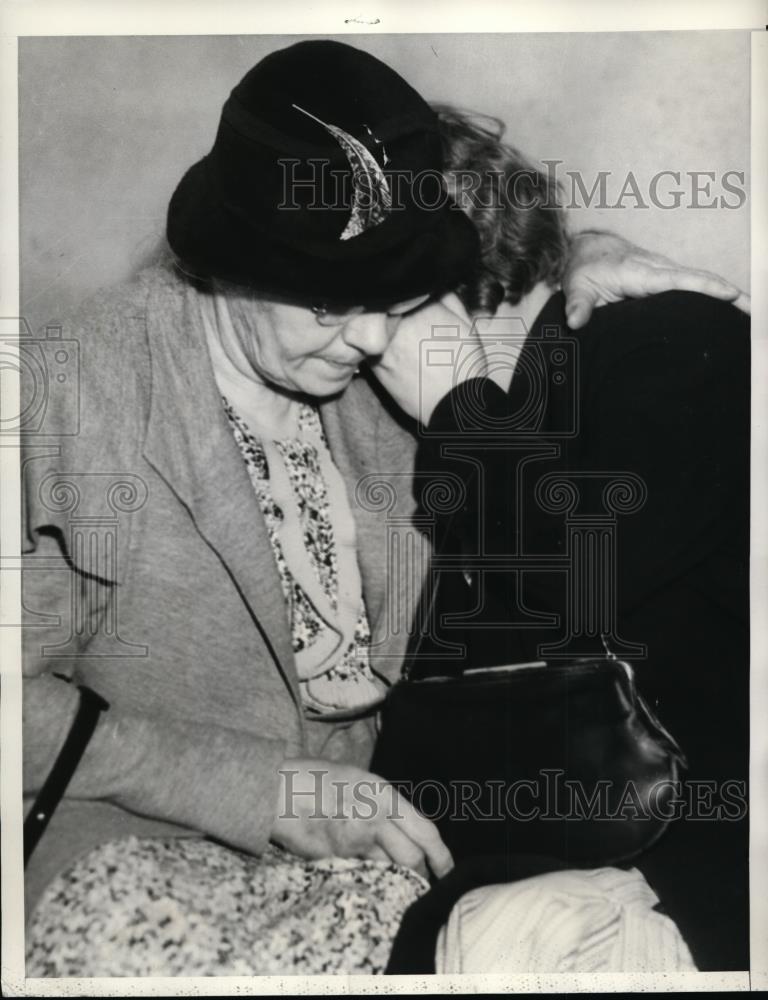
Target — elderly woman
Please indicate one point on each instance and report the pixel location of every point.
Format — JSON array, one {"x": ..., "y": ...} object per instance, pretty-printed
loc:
[
  {"x": 659, "y": 397},
  {"x": 207, "y": 554}
]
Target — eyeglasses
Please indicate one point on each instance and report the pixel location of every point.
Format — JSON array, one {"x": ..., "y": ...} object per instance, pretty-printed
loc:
[{"x": 328, "y": 315}]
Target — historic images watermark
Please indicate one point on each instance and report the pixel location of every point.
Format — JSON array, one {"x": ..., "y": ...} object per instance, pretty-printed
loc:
[
  {"x": 666, "y": 189},
  {"x": 548, "y": 796},
  {"x": 315, "y": 185}
]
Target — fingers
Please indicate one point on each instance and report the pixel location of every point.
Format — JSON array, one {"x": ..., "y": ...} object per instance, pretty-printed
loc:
[
  {"x": 424, "y": 834},
  {"x": 639, "y": 277},
  {"x": 369, "y": 819},
  {"x": 578, "y": 308},
  {"x": 744, "y": 302},
  {"x": 377, "y": 853},
  {"x": 401, "y": 849},
  {"x": 582, "y": 294},
  {"x": 680, "y": 279}
]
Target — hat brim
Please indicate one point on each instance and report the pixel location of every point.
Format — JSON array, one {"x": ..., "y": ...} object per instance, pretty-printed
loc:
[{"x": 387, "y": 264}]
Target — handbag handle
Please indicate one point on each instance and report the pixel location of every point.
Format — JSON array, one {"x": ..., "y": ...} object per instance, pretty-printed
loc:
[{"x": 55, "y": 785}]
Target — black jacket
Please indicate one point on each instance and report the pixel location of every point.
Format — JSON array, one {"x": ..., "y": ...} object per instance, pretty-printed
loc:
[
  {"x": 652, "y": 396},
  {"x": 640, "y": 421}
]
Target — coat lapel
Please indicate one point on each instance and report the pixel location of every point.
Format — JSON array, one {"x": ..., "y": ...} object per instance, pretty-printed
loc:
[
  {"x": 351, "y": 430},
  {"x": 191, "y": 446}
]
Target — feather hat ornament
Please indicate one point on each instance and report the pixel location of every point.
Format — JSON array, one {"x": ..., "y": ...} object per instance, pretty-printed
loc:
[{"x": 371, "y": 197}]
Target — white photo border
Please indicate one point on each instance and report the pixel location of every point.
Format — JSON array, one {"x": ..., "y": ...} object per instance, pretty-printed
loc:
[{"x": 19, "y": 18}]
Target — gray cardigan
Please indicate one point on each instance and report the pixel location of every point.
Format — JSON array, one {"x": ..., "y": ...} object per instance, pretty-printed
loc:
[{"x": 149, "y": 576}]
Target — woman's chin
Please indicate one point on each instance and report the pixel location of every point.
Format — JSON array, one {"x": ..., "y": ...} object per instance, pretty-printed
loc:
[{"x": 329, "y": 382}]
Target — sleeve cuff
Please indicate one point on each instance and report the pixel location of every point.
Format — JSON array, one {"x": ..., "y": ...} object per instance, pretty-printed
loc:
[{"x": 219, "y": 781}]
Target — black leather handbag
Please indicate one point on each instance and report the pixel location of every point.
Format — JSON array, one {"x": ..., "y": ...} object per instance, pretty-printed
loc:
[{"x": 558, "y": 759}]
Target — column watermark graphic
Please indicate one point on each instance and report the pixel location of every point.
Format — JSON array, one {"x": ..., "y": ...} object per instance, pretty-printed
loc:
[{"x": 86, "y": 512}]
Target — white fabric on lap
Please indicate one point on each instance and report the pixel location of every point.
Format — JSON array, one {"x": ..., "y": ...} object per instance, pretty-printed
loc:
[{"x": 600, "y": 920}]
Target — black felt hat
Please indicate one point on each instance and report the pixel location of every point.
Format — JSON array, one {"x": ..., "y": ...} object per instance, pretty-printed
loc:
[{"x": 324, "y": 181}]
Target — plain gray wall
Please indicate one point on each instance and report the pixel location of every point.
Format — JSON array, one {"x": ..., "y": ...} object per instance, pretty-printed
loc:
[{"x": 109, "y": 124}]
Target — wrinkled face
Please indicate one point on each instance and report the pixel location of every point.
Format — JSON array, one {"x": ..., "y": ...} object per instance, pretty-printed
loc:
[{"x": 292, "y": 347}]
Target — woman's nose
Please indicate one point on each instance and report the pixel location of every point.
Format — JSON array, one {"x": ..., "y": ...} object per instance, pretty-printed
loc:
[{"x": 369, "y": 333}]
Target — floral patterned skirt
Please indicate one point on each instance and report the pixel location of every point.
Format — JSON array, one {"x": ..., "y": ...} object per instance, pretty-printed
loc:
[{"x": 168, "y": 907}]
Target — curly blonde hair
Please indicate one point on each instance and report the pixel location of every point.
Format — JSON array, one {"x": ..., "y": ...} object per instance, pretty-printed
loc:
[{"x": 514, "y": 206}]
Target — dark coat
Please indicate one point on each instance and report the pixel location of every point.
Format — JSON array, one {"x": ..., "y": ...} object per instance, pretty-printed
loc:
[{"x": 653, "y": 396}]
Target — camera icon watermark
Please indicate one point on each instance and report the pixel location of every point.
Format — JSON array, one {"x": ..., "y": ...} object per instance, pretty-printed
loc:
[
  {"x": 48, "y": 367},
  {"x": 539, "y": 370}
]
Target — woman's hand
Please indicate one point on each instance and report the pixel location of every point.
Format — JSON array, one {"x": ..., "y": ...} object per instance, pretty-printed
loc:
[
  {"x": 433, "y": 350},
  {"x": 603, "y": 267},
  {"x": 326, "y": 809}
]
